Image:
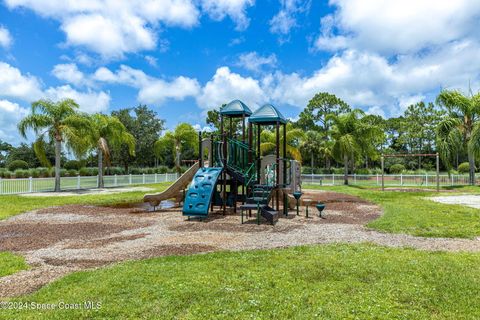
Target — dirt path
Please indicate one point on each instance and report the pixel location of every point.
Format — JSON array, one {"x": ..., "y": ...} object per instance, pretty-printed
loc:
[{"x": 58, "y": 241}]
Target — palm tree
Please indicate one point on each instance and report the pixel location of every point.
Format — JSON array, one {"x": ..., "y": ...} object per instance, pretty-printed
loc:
[
  {"x": 107, "y": 132},
  {"x": 184, "y": 136},
  {"x": 311, "y": 144},
  {"x": 459, "y": 128},
  {"x": 352, "y": 138},
  {"x": 268, "y": 141},
  {"x": 57, "y": 122}
]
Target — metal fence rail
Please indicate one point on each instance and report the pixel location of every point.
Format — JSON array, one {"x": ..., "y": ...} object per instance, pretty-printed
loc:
[
  {"x": 31, "y": 185},
  {"x": 398, "y": 180}
]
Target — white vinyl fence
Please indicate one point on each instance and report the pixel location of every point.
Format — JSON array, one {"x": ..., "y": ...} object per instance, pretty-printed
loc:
[
  {"x": 30, "y": 185},
  {"x": 409, "y": 180}
]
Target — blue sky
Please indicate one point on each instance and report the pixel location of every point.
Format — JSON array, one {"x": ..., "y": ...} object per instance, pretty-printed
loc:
[{"x": 184, "y": 57}]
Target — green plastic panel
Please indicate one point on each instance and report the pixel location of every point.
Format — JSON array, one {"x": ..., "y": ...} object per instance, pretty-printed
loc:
[{"x": 267, "y": 114}]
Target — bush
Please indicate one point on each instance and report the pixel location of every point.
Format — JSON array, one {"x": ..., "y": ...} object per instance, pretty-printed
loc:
[
  {"x": 464, "y": 167},
  {"x": 63, "y": 173},
  {"x": 74, "y": 164},
  {"x": 162, "y": 169},
  {"x": 6, "y": 174},
  {"x": 17, "y": 164},
  {"x": 35, "y": 173},
  {"x": 362, "y": 171},
  {"x": 116, "y": 171},
  {"x": 20, "y": 173},
  {"x": 43, "y": 172},
  {"x": 83, "y": 172},
  {"x": 136, "y": 171},
  {"x": 72, "y": 173},
  {"x": 397, "y": 168}
]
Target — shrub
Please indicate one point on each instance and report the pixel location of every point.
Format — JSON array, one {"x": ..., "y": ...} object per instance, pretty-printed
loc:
[
  {"x": 63, "y": 173},
  {"x": 17, "y": 164},
  {"x": 116, "y": 171},
  {"x": 162, "y": 169},
  {"x": 464, "y": 167},
  {"x": 136, "y": 171},
  {"x": 72, "y": 173},
  {"x": 6, "y": 174},
  {"x": 362, "y": 171},
  {"x": 397, "y": 168},
  {"x": 83, "y": 172},
  {"x": 74, "y": 164},
  {"x": 20, "y": 173},
  {"x": 43, "y": 172},
  {"x": 338, "y": 170},
  {"x": 35, "y": 173}
]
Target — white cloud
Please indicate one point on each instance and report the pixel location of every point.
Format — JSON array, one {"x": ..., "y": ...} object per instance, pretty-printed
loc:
[
  {"x": 286, "y": 19},
  {"x": 226, "y": 86},
  {"x": 16, "y": 85},
  {"x": 151, "y": 61},
  {"x": 151, "y": 89},
  {"x": 113, "y": 28},
  {"x": 254, "y": 62},
  {"x": 5, "y": 38},
  {"x": 235, "y": 9},
  {"x": 398, "y": 27},
  {"x": 89, "y": 101},
  {"x": 159, "y": 90},
  {"x": 70, "y": 73},
  {"x": 10, "y": 114}
]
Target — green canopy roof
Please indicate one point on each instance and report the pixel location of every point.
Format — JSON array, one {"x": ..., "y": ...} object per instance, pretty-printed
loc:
[
  {"x": 267, "y": 114},
  {"x": 236, "y": 108}
]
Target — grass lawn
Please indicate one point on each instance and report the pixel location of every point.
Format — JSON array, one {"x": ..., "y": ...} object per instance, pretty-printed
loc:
[
  {"x": 11, "y": 263},
  {"x": 327, "y": 282},
  {"x": 15, "y": 204},
  {"x": 411, "y": 213}
]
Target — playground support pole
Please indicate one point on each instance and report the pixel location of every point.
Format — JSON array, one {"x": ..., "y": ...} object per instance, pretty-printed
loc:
[
  {"x": 278, "y": 165},
  {"x": 383, "y": 173},
  {"x": 243, "y": 155},
  {"x": 438, "y": 171},
  {"x": 200, "y": 153},
  {"x": 224, "y": 163},
  {"x": 285, "y": 198},
  {"x": 259, "y": 160}
]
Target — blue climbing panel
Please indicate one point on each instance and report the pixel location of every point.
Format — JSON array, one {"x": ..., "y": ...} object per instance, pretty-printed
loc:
[{"x": 200, "y": 191}]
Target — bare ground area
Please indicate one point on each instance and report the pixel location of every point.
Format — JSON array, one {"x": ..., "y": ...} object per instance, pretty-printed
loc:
[{"x": 57, "y": 241}]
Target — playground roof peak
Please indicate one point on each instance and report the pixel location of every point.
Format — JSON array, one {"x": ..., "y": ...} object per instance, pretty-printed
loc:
[
  {"x": 235, "y": 108},
  {"x": 267, "y": 114}
]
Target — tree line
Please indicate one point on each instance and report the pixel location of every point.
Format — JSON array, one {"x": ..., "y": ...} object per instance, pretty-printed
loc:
[{"x": 329, "y": 136}]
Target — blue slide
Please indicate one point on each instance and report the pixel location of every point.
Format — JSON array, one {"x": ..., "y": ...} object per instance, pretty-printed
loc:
[{"x": 200, "y": 191}]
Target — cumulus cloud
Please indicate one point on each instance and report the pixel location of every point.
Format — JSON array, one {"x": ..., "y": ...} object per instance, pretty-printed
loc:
[
  {"x": 89, "y": 101},
  {"x": 235, "y": 9},
  {"x": 286, "y": 19},
  {"x": 151, "y": 89},
  {"x": 70, "y": 73},
  {"x": 5, "y": 38},
  {"x": 113, "y": 28},
  {"x": 226, "y": 86},
  {"x": 10, "y": 114},
  {"x": 14, "y": 84},
  {"x": 254, "y": 62},
  {"x": 398, "y": 27}
]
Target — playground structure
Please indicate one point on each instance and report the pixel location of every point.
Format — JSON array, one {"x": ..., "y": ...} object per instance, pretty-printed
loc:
[{"x": 235, "y": 175}]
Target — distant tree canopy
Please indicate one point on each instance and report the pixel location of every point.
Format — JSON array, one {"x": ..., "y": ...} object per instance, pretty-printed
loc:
[{"x": 145, "y": 126}]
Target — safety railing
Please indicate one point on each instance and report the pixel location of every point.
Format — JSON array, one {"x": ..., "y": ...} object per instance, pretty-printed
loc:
[
  {"x": 392, "y": 180},
  {"x": 32, "y": 185}
]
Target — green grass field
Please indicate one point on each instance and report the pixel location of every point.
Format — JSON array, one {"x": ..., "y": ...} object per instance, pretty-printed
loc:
[
  {"x": 317, "y": 282},
  {"x": 412, "y": 213},
  {"x": 11, "y": 263},
  {"x": 15, "y": 204}
]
